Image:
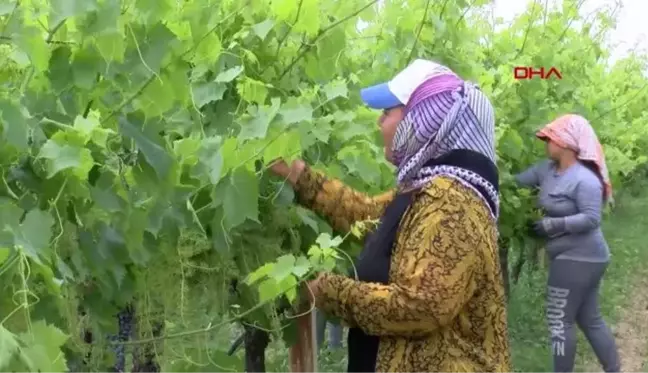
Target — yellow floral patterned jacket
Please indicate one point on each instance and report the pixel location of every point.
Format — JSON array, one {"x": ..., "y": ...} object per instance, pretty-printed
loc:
[{"x": 444, "y": 309}]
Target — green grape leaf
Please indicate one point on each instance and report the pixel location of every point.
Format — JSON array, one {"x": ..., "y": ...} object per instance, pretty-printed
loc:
[
  {"x": 105, "y": 196},
  {"x": 335, "y": 89},
  {"x": 59, "y": 72},
  {"x": 9, "y": 215},
  {"x": 15, "y": 128},
  {"x": 511, "y": 144},
  {"x": 153, "y": 47},
  {"x": 285, "y": 196},
  {"x": 8, "y": 346},
  {"x": 4, "y": 254},
  {"x": 85, "y": 69},
  {"x": 285, "y": 146},
  {"x": 268, "y": 289},
  {"x": 288, "y": 286},
  {"x": 42, "y": 348},
  {"x": 293, "y": 112},
  {"x": 64, "y": 269},
  {"x": 103, "y": 20},
  {"x": 283, "y": 9},
  {"x": 307, "y": 217},
  {"x": 229, "y": 74},
  {"x": 252, "y": 91},
  {"x": 309, "y": 20},
  {"x": 34, "y": 234},
  {"x": 290, "y": 333},
  {"x": 211, "y": 158},
  {"x": 324, "y": 240},
  {"x": 208, "y": 50},
  {"x": 90, "y": 129},
  {"x": 360, "y": 163},
  {"x": 241, "y": 199},
  {"x": 255, "y": 124},
  {"x": 259, "y": 273},
  {"x": 111, "y": 46},
  {"x": 86, "y": 125},
  {"x": 63, "y": 9},
  {"x": 263, "y": 28},
  {"x": 206, "y": 92},
  {"x": 321, "y": 130},
  {"x": 153, "y": 10},
  {"x": 62, "y": 157},
  {"x": 186, "y": 150},
  {"x": 155, "y": 154},
  {"x": 30, "y": 40},
  {"x": 5, "y": 8},
  {"x": 283, "y": 267},
  {"x": 301, "y": 267},
  {"x": 351, "y": 130},
  {"x": 158, "y": 97}
]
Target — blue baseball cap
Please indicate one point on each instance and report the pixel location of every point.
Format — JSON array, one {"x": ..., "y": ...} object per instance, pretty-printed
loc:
[{"x": 398, "y": 91}]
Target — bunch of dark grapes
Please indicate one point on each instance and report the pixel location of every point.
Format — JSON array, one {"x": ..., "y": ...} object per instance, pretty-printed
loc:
[{"x": 125, "y": 321}]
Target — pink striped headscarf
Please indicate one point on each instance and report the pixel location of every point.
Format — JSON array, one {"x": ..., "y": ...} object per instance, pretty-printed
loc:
[{"x": 574, "y": 132}]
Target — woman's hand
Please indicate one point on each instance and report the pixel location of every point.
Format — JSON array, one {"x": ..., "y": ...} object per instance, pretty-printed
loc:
[
  {"x": 549, "y": 227},
  {"x": 292, "y": 173},
  {"x": 531, "y": 229}
]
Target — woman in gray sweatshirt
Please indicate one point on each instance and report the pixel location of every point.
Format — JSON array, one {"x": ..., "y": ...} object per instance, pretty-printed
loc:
[{"x": 573, "y": 187}]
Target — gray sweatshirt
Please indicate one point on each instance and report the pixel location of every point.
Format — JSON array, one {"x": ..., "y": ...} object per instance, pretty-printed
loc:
[{"x": 576, "y": 196}]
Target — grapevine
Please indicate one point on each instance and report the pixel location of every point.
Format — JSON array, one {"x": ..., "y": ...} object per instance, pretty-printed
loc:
[{"x": 141, "y": 227}]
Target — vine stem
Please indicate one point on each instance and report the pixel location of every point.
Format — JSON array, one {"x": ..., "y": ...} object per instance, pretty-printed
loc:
[
  {"x": 305, "y": 48},
  {"x": 275, "y": 138},
  {"x": 32, "y": 69},
  {"x": 209, "y": 327},
  {"x": 150, "y": 79},
  {"x": 59, "y": 42},
  {"x": 236, "y": 318},
  {"x": 285, "y": 37},
  {"x": 9, "y": 263},
  {"x": 281, "y": 328},
  {"x": 4, "y": 27},
  {"x": 25, "y": 273},
  {"x": 418, "y": 34}
]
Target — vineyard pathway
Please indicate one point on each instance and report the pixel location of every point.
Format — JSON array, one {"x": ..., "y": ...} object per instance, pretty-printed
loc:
[
  {"x": 631, "y": 326},
  {"x": 630, "y": 331}
]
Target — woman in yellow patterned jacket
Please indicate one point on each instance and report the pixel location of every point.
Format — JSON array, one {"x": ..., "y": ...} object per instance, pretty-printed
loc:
[{"x": 429, "y": 294}]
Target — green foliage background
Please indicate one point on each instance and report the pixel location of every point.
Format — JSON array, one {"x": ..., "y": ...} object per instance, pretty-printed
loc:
[{"x": 136, "y": 135}]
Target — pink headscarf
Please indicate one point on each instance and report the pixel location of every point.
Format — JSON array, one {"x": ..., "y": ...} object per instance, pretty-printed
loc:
[{"x": 575, "y": 132}]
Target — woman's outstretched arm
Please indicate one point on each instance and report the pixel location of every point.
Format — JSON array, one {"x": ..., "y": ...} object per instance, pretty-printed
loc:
[
  {"x": 340, "y": 204},
  {"x": 532, "y": 176}
]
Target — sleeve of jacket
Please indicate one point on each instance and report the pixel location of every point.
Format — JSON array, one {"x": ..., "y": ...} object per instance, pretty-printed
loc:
[
  {"x": 439, "y": 272},
  {"x": 341, "y": 205},
  {"x": 532, "y": 176}
]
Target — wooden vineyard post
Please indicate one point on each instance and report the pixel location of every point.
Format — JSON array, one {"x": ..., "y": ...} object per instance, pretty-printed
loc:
[{"x": 303, "y": 354}]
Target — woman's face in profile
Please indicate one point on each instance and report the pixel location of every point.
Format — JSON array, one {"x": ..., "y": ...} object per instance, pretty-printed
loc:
[
  {"x": 388, "y": 122},
  {"x": 554, "y": 151}
]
